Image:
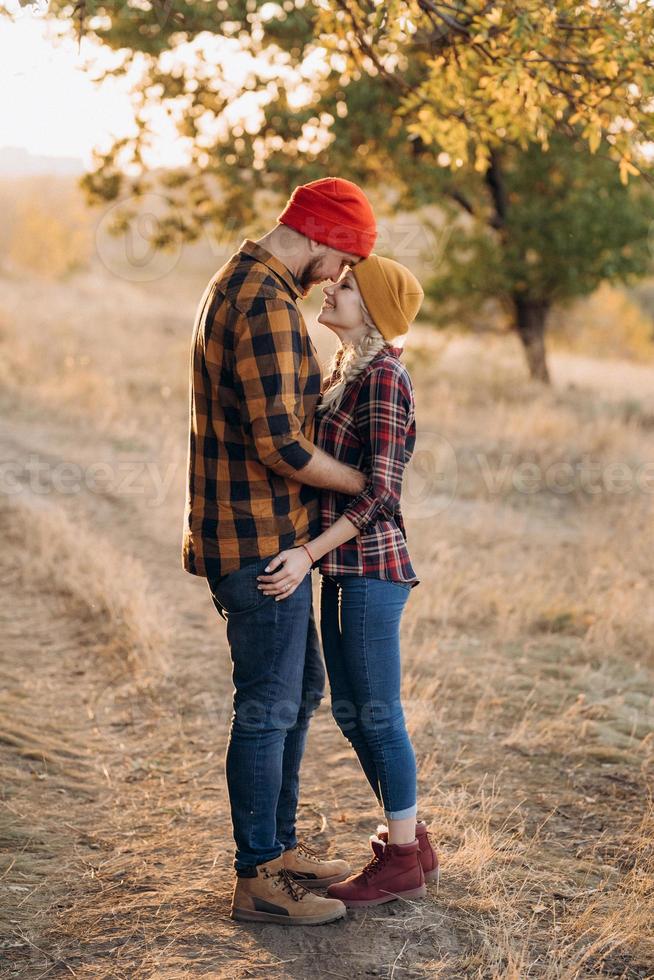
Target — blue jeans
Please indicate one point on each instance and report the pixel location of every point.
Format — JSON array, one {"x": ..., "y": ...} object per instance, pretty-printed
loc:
[
  {"x": 279, "y": 681},
  {"x": 360, "y": 626}
]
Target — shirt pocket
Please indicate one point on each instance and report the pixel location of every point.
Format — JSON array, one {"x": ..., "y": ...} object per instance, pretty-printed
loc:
[
  {"x": 338, "y": 418},
  {"x": 381, "y": 538}
]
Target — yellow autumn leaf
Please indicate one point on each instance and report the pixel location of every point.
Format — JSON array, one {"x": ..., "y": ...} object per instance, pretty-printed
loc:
[
  {"x": 436, "y": 63},
  {"x": 594, "y": 138},
  {"x": 626, "y": 168},
  {"x": 481, "y": 158}
]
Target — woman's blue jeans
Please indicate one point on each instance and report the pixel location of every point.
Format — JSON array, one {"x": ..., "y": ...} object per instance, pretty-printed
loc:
[
  {"x": 360, "y": 626},
  {"x": 279, "y": 681}
]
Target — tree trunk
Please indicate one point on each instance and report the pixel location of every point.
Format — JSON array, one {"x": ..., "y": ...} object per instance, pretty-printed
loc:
[{"x": 530, "y": 317}]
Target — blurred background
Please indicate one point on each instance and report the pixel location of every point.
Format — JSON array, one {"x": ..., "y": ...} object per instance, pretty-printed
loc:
[{"x": 507, "y": 151}]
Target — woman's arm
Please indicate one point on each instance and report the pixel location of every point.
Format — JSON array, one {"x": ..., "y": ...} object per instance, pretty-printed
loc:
[
  {"x": 383, "y": 412},
  {"x": 339, "y": 532}
]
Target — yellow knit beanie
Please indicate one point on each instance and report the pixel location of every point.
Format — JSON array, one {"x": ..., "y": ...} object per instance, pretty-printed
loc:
[{"x": 391, "y": 293}]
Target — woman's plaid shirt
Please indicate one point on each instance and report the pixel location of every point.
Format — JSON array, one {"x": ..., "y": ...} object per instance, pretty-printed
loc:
[
  {"x": 254, "y": 386},
  {"x": 373, "y": 429}
]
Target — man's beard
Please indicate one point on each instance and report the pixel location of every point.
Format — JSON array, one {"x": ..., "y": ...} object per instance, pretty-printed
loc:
[{"x": 308, "y": 277}]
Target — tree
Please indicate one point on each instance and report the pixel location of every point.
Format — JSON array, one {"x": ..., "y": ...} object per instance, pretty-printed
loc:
[
  {"x": 425, "y": 97},
  {"x": 467, "y": 77},
  {"x": 545, "y": 228}
]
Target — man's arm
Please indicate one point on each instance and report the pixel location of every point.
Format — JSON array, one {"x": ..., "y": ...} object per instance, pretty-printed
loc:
[
  {"x": 323, "y": 470},
  {"x": 266, "y": 364}
]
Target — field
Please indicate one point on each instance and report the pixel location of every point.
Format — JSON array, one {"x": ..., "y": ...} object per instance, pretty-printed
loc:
[{"x": 528, "y": 658}]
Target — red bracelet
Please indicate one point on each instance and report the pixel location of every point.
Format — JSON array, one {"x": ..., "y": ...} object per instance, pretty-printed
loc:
[{"x": 309, "y": 554}]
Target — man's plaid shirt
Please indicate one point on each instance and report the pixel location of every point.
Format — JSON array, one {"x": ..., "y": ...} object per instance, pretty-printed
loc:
[
  {"x": 254, "y": 386},
  {"x": 373, "y": 429}
]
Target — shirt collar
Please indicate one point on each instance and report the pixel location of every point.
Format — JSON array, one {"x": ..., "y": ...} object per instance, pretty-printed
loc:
[
  {"x": 282, "y": 271},
  {"x": 389, "y": 349}
]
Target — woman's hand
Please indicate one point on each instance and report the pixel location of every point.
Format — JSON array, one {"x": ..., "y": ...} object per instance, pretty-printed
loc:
[{"x": 292, "y": 564}]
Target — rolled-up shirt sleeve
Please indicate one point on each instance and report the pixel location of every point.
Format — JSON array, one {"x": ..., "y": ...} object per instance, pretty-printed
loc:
[
  {"x": 383, "y": 413},
  {"x": 267, "y": 358}
]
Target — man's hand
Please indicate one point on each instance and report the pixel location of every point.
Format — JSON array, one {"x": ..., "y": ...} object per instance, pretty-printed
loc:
[
  {"x": 364, "y": 477},
  {"x": 293, "y": 565}
]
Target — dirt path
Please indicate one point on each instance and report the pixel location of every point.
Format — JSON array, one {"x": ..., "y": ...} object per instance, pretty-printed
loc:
[
  {"x": 115, "y": 820},
  {"x": 114, "y": 799}
]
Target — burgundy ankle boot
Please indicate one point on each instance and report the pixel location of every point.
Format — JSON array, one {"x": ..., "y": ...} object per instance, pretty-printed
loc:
[
  {"x": 428, "y": 855},
  {"x": 394, "y": 872}
]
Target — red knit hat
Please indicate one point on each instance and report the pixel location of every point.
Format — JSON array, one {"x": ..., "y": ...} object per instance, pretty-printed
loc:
[{"x": 334, "y": 212}]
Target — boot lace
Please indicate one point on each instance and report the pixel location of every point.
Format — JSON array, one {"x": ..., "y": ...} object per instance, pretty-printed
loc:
[
  {"x": 286, "y": 881},
  {"x": 375, "y": 865},
  {"x": 309, "y": 852}
]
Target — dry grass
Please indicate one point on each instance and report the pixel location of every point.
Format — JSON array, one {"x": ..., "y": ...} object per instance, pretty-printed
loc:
[
  {"x": 528, "y": 668},
  {"x": 590, "y": 325},
  {"x": 103, "y": 363},
  {"x": 530, "y": 662},
  {"x": 91, "y": 582}
]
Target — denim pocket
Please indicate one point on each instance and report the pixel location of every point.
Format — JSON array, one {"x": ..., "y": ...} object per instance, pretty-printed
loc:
[{"x": 238, "y": 593}]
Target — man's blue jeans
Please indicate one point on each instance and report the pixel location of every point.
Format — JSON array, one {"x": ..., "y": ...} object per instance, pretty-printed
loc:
[
  {"x": 279, "y": 681},
  {"x": 360, "y": 625}
]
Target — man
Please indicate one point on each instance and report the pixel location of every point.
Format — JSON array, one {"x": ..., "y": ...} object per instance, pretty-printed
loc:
[{"x": 254, "y": 477}]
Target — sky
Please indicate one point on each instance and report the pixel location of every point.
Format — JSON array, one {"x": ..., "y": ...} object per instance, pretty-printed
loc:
[
  {"x": 51, "y": 106},
  {"x": 55, "y": 109}
]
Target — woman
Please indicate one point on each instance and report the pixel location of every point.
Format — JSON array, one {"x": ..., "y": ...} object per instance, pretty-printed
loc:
[{"x": 367, "y": 419}]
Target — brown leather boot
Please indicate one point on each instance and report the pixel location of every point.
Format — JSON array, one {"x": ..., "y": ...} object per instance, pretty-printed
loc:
[
  {"x": 273, "y": 896},
  {"x": 313, "y": 871},
  {"x": 394, "y": 872},
  {"x": 428, "y": 854}
]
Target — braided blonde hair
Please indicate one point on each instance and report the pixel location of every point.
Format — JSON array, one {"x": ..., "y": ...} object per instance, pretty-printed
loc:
[{"x": 349, "y": 361}]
